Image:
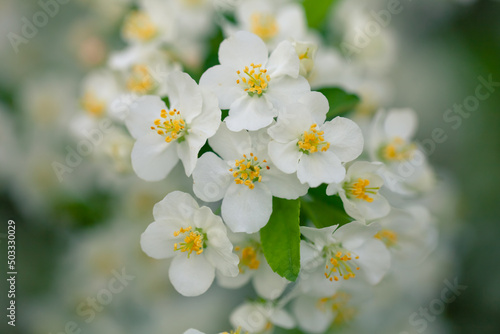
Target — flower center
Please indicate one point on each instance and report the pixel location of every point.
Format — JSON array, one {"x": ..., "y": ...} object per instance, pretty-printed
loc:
[
  {"x": 193, "y": 242},
  {"x": 140, "y": 81},
  {"x": 264, "y": 25},
  {"x": 339, "y": 264},
  {"x": 360, "y": 190},
  {"x": 339, "y": 304},
  {"x": 247, "y": 171},
  {"x": 139, "y": 26},
  {"x": 398, "y": 150},
  {"x": 248, "y": 258},
  {"x": 171, "y": 126},
  {"x": 313, "y": 141},
  {"x": 92, "y": 104},
  {"x": 237, "y": 331},
  {"x": 254, "y": 80},
  {"x": 388, "y": 237}
]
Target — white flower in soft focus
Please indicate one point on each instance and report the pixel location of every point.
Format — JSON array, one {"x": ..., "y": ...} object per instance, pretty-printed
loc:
[
  {"x": 335, "y": 254},
  {"x": 307, "y": 53},
  {"x": 359, "y": 191},
  {"x": 153, "y": 22},
  {"x": 244, "y": 178},
  {"x": 316, "y": 314},
  {"x": 195, "y": 238},
  {"x": 302, "y": 143},
  {"x": 99, "y": 89},
  {"x": 253, "y": 266},
  {"x": 257, "y": 317},
  {"x": 406, "y": 170},
  {"x": 165, "y": 136},
  {"x": 195, "y": 331},
  {"x": 252, "y": 85},
  {"x": 409, "y": 234},
  {"x": 271, "y": 21}
]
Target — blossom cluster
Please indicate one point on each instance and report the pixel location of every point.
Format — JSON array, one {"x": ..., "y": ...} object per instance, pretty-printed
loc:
[{"x": 261, "y": 144}]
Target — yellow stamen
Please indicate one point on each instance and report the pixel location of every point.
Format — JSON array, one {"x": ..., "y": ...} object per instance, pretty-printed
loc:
[
  {"x": 264, "y": 25},
  {"x": 193, "y": 242},
  {"x": 171, "y": 126},
  {"x": 360, "y": 190},
  {"x": 388, "y": 237},
  {"x": 247, "y": 171},
  {"x": 313, "y": 141},
  {"x": 339, "y": 264},
  {"x": 398, "y": 150},
  {"x": 93, "y": 105},
  {"x": 257, "y": 81},
  {"x": 138, "y": 26},
  {"x": 140, "y": 80}
]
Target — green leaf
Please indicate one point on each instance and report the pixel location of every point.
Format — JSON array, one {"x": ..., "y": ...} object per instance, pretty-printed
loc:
[
  {"x": 280, "y": 238},
  {"x": 317, "y": 11},
  {"x": 340, "y": 101},
  {"x": 324, "y": 210}
]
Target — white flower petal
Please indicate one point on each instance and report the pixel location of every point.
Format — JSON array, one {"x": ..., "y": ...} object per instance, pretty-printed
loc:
[
  {"x": 219, "y": 253},
  {"x": 267, "y": 283},
  {"x": 247, "y": 210},
  {"x": 230, "y": 145},
  {"x": 176, "y": 205},
  {"x": 142, "y": 115},
  {"x": 309, "y": 316},
  {"x": 211, "y": 178},
  {"x": 373, "y": 210},
  {"x": 355, "y": 234},
  {"x": 249, "y": 317},
  {"x": 282, "y": 319},
  {"x": 242, "y": 49},
  {"x": 234, "y": 282},
  {"x": 207, "y": 123},
  {"x": 221, "y": 80},
  {"x": 285, "y": 90},
  {"x": 191, "y": 276},
  {"x": 374, "y": 260},
  {"x": 184, "y": 95},
  {"x": 250, "y": 113},
  {"x": 283, "y": 185},
  {"x": 345, "y": 138},
  {"x": 401, "y": 123},
  {"x": 283, "y": 61},
  {"x": 158, "y": 240},
  {"x": 193, "y": 331},
  {"x": 317, "y": 104},
  {"x": 285, "y": 156},
  {"x": 153, "y": 158},
  {"x": 188, "y": 150},
  {"x": 320, "y": 167}
]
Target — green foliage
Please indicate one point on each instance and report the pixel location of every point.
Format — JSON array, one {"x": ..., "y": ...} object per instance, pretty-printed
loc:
[
  {"x": 340, "y": 101},
  {"x": 317, "y": 11},
  {"x": 323, "y": 210},
  {"x": 280, "y": 238}
]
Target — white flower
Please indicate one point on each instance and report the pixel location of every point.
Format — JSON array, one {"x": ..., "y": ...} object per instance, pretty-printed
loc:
[
  {"x": 195, "y": 331},
  {"x": 165, "y": 136},
  {"x": 243, "y": 178},
  {"x": 260, "y": 318},
  {"x": 315, "y": 152},
  {"x": 195, "y": 238},
  {"x": 406, "y": 169},
  {"x": 99, "y": 90},
  {"x": 271, "y": 21},
  {"x": 334, "y": 253},
  {"x": 316, "y": 314},
  {"x": 359, "y": 191},
  {"x": 409, "y": 234},
  {"x": 252, "y": 85},
  {"x": 306, "y": 51},
  {"x": 253, "y": 266}
]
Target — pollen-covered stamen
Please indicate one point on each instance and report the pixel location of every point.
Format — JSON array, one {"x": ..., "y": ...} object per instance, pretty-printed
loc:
[
  {"x": 254, "y": 80},
  {"x": 248, "y": 170},
  {"x": 248, "y": 257},
  {"x": 360, "y": 190},
  {"x": 339, "y": 264},
  {"x": 171, "y": 126},
  {"x": 92, "y": 104},
  {"x": 140, "y": 80},
  {"x": 193, "y": 242},
  {"x": 388, "y": 237},
  {"x": 264, "y": 25},
  {"x": 138, "y": 26},
  {"x": 237, "y": 331},
  {"x": 398, "y": 150},
  {"x": 339, "y": 304},
  {"x": 313, "y": 141}
]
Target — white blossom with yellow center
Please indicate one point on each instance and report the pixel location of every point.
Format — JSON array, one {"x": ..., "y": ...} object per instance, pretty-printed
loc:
[
  {"x": 195, "y": 238},
  {"x": 166, "y": 135},
  {"x": 334, "y": 254},
  {"x": 243, "y": 178},
  {"x": 260, "y": 317},
  {"x": 359, "y": 191},
  {"x": 251, "y": 84},
  {"x": 303, "y": 142}
]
